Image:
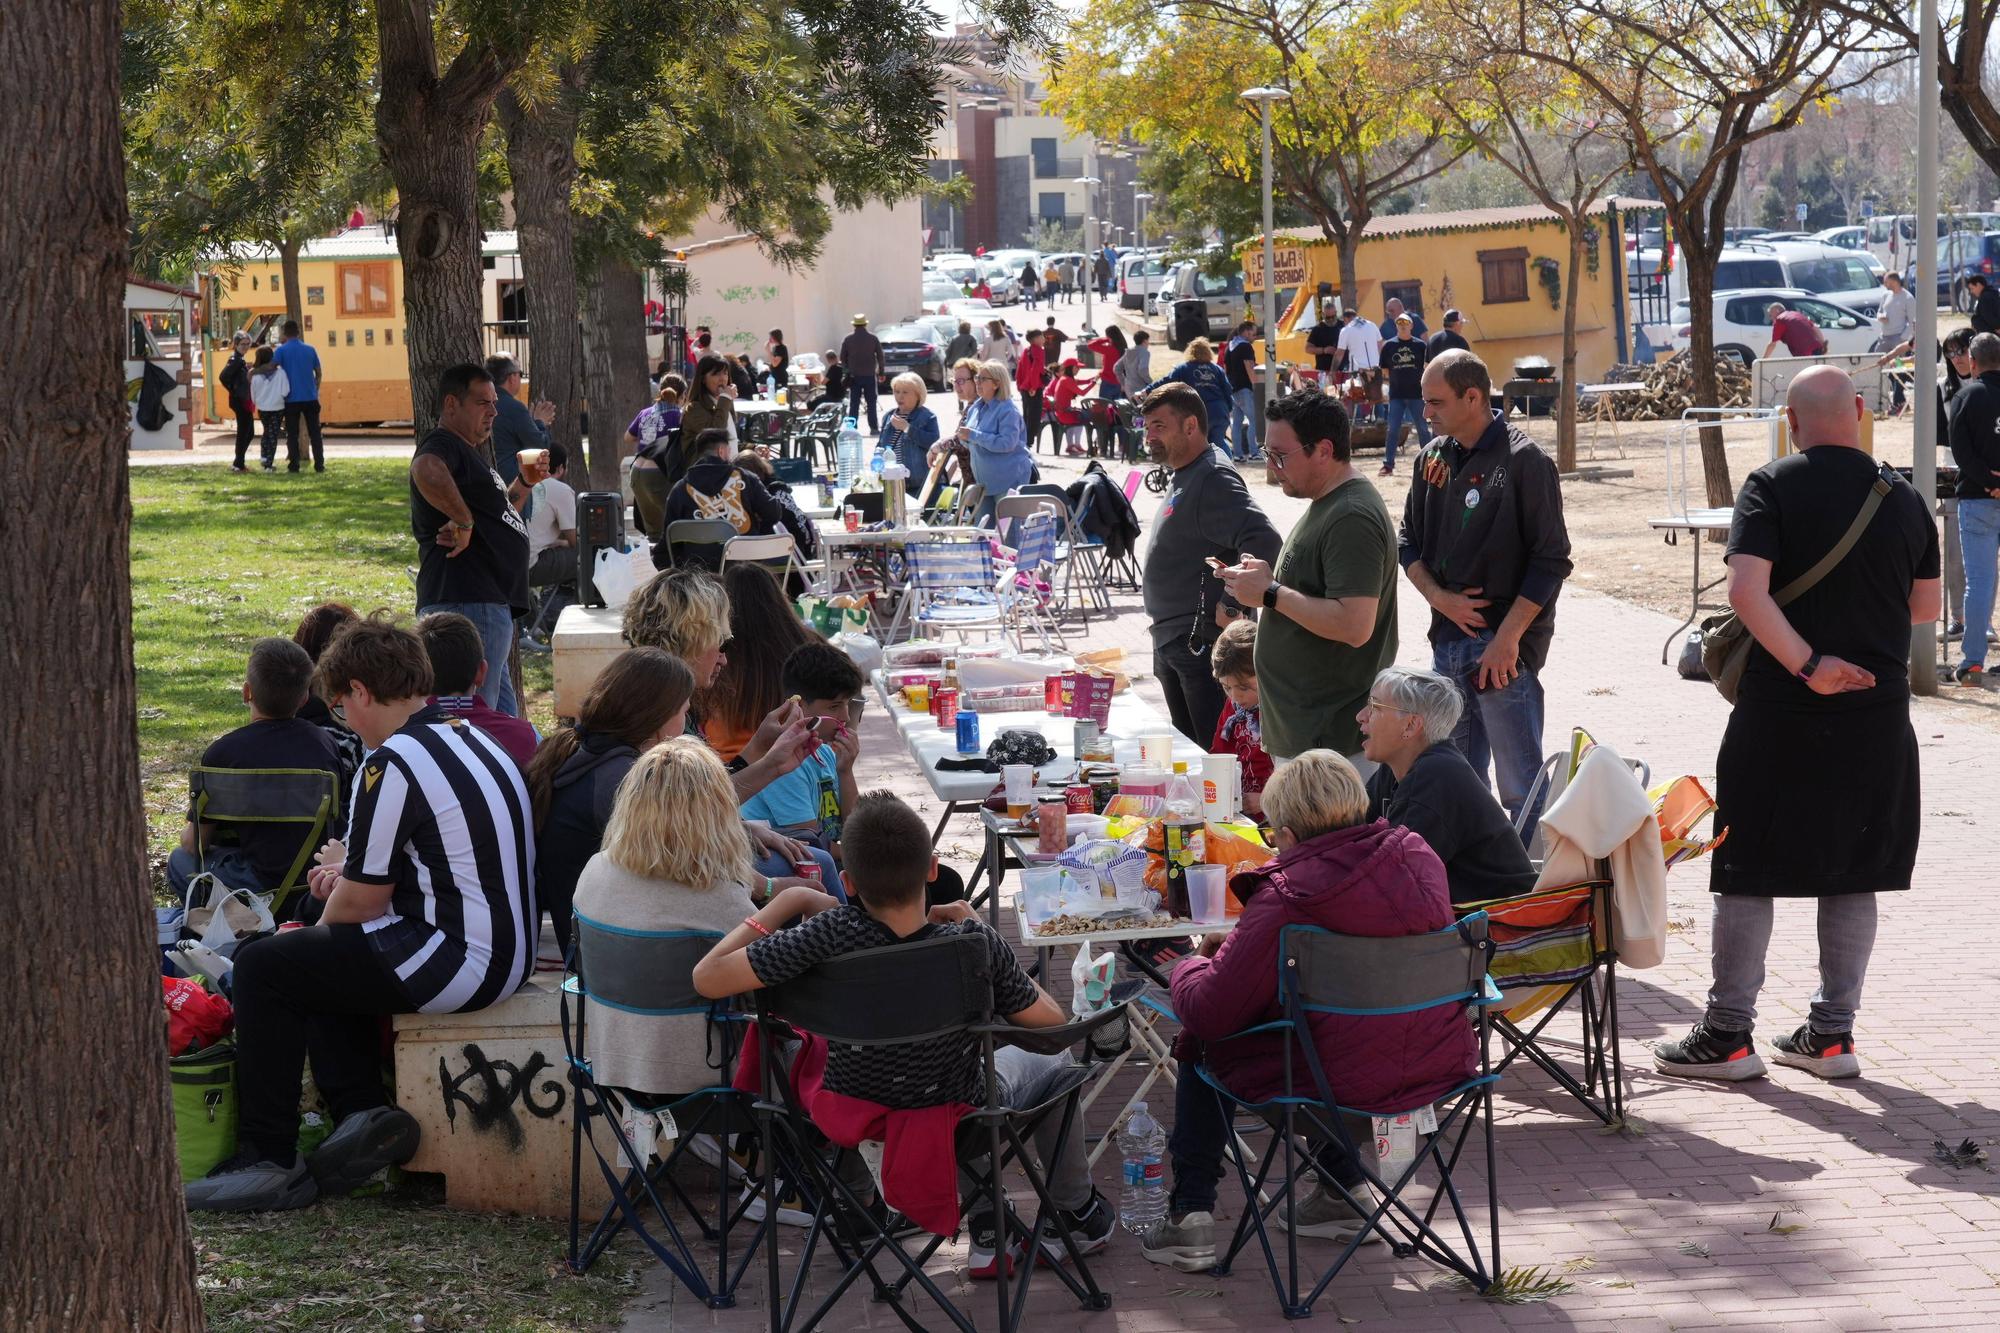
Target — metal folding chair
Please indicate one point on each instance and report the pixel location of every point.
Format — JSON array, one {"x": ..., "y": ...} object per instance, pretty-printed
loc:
[
  {"x": 307, "y": 797},
  {"x": 700, "y": 534},
  {"x": 949, "y": 587},
  {"x": 862, "y": 999},
  {"x": 1027, "y": 597},
  {"x": 775, "y": 551},
  {"x": 1321, "y": 972},
  {"x": 1082, "y": 558}
]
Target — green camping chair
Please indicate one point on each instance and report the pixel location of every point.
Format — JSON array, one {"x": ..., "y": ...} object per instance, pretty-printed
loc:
[{"x": 307, "y": 797}]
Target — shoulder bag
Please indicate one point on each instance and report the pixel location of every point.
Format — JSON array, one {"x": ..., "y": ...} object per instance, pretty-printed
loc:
[{"x": 1725, "y": 642}]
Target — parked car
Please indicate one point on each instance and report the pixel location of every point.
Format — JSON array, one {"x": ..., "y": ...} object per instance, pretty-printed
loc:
[
  {"x": 1959, "y": 256},
  {"x": 1847, "y": 276},
  {"x": 975, "y": 308},
  {"x": 938, "y": 292},
  {"x": 1140, "y": 274},
  {"x": 1742, "y": 331},
  {"x": 1200, "y": 305},
  {"x": 915, "y": 347},
  {"x": 1738, "y": 235},
  {"x": 1847, "y": 238},
  {"x": 1890, "y": 235}
]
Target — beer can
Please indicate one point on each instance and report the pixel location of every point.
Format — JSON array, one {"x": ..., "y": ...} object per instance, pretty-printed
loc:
[
  {"x": 806, "y": 870},
  {"x": 1079, "y": 799},
  {"x": 944, "y": 701},
  {"x": 968, "y": 730},
  {"x": 1052, "y": 828},
  {"x": 1052, "y": 691}
]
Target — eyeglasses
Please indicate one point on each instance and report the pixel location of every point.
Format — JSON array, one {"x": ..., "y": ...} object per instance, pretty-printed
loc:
[
  {"x": 1377, "y": 706},
  {"x": 339, "y": 710},
  {"x": 1277, "y": 458}
]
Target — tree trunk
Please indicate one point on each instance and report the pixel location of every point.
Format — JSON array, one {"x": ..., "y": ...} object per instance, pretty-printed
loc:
[
  {"x": 1707, "y": 389},
  {"x": 288, "y": 262},
  {"x": 1350, "y": 267},
  {"x": 625, "y": 324},
  {"x": 91, "y": 1216},
  {"x": 607, "y": 435},
  {"x": 541, "y": 159},
  {"x": 1566, "y": 399},
  {"x": 428, "y": 128}
]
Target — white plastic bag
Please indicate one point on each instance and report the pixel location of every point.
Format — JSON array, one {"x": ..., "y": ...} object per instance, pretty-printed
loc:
[
  {"x": 1090, "y": 978},
  {"x": 618, "y": 574},
  {"x": 226, "y": 916},
  {"x": 864, "y": 651}
]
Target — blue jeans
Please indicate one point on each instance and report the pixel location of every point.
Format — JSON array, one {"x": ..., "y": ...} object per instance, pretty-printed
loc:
[
  {"x": 495, "y": 623},
  {"x": 1243, "y": 422},
  {"x": 776, "y": 866},
  {"x": 862, "y": 391},
  {"x": 1400, "y": 411},
  {"x": 1503, "y": 725},
  {"x": 1201, "y": 1132},
  {"x": 1979, "y": 538}
]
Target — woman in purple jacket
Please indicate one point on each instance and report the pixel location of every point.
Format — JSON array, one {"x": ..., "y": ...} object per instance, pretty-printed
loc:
[{"x": 1337, "y": 871}]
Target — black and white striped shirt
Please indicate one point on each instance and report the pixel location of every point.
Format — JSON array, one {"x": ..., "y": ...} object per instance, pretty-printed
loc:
[{"x": 441, "y": 813}]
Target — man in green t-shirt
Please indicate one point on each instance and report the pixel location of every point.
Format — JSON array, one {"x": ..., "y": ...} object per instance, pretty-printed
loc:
[{"x": 1330, "y": 603}]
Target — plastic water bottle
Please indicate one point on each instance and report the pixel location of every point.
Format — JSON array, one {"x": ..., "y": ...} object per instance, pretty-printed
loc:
[
  {"x": 1183, "y": 799},
  {"x": 1142, "y": 1195},
  {"x": 879, "y": 460},
  {"x": 847, "y": 452}
]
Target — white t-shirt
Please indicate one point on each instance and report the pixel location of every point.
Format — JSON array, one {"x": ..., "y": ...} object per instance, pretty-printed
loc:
[
  {"x": 551, "y": 511},
  {"x": 1362, "y": 342}
]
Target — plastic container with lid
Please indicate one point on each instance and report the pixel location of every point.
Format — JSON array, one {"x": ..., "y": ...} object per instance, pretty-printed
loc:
[{"x": 1142, "y": 780}]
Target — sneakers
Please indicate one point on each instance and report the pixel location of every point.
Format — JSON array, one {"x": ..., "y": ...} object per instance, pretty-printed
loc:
[
  {"x": 985, "y": 1263},
  {"x": 1187, "y": 1244},
  {"x": 1829, "y": 1055},
  {"x": 1708, "y": 1053},
  {"x": 1324, "y": 1215},
  {"x": 1970, "y": 675},
  {"x": 361, "y": 1145},
  {"x": 249, "y": 1184},
  {"x": 1090, "y": 1227},
  {"x": 710, "y": 1150},
  {"x": 791, "y": 1205}
]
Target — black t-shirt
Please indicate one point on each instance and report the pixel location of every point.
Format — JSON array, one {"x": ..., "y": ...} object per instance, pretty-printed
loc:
[
  {"x": 1323, "y": 341},
  {"x": 1444, "y": 340},
  {"x": 272, "y": 743},
  {"x": 781, "y": 362},
  {"x": 1442, "y": 800},
  {"x": 923, "y": 1073},
  {"x": 1236, "y": 363},
  {"x": 1791, "y": 513},
  {"x": 494, "y": 567},
  {"x": 1404, "y": 359}
]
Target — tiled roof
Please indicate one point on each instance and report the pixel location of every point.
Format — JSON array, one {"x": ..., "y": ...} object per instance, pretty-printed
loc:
[
  {"x": 365, "y": 243},
  {"x": 1468, "y": 219}
]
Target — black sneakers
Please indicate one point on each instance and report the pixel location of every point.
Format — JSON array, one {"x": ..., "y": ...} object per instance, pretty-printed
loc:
[
  {"x": 247, "y": 1183},
  {"x": 1708, "y": 1052},
  {"x": 1090, "y": 1227},
  {"x": 363, "y": 1144},
  {"x": 1827, "y": 1054}
]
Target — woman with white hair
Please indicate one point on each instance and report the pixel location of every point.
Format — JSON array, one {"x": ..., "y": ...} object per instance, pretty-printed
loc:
[
  {"x": 998, "y": 437},
  {"x": 911, "y": 429},
  {"x": 1425, "y": 785}
]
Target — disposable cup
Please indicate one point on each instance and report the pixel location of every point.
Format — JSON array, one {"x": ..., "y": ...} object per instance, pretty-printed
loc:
[{"x": 1207, "y": 894}]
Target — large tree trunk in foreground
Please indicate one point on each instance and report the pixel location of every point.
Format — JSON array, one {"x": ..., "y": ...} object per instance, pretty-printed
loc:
[
  {"x": 91, "y": 1220},
  {"x": 614, "y": 340},
  {"x": 541, "y": 159},
  {"x": 428, "y": 127}
]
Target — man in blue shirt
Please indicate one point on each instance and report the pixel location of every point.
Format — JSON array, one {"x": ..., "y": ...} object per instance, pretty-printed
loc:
[
  {"x": 517, "y": 426},
  {"x": 301, "y": 364}
]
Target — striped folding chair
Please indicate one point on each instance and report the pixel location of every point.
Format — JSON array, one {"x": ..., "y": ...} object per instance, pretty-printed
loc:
[
  {"x": 949, "y": 587},
  {"x": 1027, "y": 593}
]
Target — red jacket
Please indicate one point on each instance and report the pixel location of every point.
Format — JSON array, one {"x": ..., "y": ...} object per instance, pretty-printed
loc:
[
  {"x": 1031, "y": 372},
  {"x": 1239, "y": 731},
  {"x": 1062, "y": 398},
  {"x": 1373, "y": 880}
]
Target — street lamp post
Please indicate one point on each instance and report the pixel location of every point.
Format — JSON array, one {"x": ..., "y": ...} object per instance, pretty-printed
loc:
[
  {"x": 1091, "y": 247},
  {"x": 1139, "y": 200},
  {"x": 1264, "y": 97}
]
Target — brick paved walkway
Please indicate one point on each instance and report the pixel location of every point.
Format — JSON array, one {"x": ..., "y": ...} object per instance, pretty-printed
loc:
[{"x": 1672, "y": 1227}]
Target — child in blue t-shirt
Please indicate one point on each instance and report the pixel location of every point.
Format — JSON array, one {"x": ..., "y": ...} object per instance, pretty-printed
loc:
[{"x": 807, "y": 802}]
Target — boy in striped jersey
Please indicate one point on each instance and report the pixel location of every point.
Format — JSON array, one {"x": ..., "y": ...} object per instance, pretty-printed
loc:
[{"x": 431, "y": 909}]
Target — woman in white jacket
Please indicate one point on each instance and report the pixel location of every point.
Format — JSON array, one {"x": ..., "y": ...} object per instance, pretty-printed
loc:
[{"x": 268, "y": 386}]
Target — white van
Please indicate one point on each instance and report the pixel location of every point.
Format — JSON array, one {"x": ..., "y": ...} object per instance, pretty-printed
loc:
[
  {"x": 1852, "y": 278},
  {"x": 1889, "y": 235}
]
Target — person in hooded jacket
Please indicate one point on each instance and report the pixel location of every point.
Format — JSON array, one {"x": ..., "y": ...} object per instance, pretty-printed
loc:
[
  {"x": 715, "y": 487},
  {"x": 1339, "y": 871}
]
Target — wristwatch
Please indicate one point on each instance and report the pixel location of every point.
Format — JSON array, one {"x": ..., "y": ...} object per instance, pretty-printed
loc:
[
  {"x": 1271, "y": 595},
  {"x": 1811, "y": 665}
]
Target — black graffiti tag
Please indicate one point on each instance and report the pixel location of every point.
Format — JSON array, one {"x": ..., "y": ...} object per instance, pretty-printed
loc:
[{"x": 496, "y": 1085}]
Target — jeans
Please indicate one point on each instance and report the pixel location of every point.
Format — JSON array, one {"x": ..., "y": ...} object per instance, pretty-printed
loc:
[
  {"x": 317, "y": 991},
  {"x": 1031, "y": 416},
  {"x": 495, "y": 622},
  {"x": 1194, "y": 700},
  {"x": 306, "y": 412},
  {"x": 1979, "y": 538},
  {"x": 246, "y": 430},
  {"x": 776, "y": 866},
  {"x": 1743, "y": 934},
  {"x": 1954, "y": 562},
  {"x": 1243, "y": 423},
  {"x": 1402, "y": 410},
  {"x": 1201, "y": 1132},
  {"x": 1503, "y": 725},
  {"x": 862, "y": 391},
  {"x": 227, "y": 864},
  {"x": 1026, "y": 1080}
]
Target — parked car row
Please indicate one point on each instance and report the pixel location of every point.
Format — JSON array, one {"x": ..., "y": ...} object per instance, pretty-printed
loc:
[{"x": 1743, "y": 330}]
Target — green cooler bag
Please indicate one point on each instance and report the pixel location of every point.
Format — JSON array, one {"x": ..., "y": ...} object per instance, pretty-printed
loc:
[{"x": 204, "y": 1086}]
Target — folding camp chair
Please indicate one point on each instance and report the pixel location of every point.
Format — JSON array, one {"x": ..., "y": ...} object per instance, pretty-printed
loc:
[
  {"x": 1320, "y": 972},
  {"x": 650, "y": 972},
  {"x": 863, "y": 999},
  {"x": 1083, "y": 559},
  {"x": 1012, "y": 511},
  {"x": 1553, "y": 950},
  {"x": 775, "y": 551},
  {"x": 1027, "y": 595},
  {"x": 1554, "y": 775},
  {"x": 949, "y": 586},
  {"x": 685, "y": 533},
  {"x": 307, "y": 797}
]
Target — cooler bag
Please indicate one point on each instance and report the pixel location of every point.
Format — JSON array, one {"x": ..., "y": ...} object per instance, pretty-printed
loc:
[{"x": 204, "y": 1085}]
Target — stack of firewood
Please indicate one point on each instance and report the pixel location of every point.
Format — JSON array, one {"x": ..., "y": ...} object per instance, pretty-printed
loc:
[{"x": 1670, "y": 388}]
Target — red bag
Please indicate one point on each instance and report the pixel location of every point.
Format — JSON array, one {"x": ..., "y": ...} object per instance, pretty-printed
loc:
[{"x": 196, "y": 1020}]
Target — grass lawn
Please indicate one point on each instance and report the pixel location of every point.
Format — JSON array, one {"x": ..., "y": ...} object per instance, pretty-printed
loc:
[
  {"x": 221, "y": 560},
  {"x": 218, "y": 562}
]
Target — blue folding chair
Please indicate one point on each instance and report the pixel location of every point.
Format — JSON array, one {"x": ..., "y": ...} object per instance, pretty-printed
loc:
[
  {"x": 950, "y": 586},
  {"x": 1320, "y": 972}
]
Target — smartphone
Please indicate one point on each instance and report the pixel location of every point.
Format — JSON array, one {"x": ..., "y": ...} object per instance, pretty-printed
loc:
[{"x": 1215, "y": 564}]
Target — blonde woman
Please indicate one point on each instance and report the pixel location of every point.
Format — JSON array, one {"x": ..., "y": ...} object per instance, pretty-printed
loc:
[
  {"x": 911, "y": 429},
  {"x": 998, "y": 436},
  {"x": 674, "y": 858},
  {"x": 686, "y": 612}
]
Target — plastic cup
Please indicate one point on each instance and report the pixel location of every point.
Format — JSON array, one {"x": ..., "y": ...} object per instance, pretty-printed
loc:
[
  {"x": 1020, "y": 787},
  {"x": 1157, "y": 747},
  {"x": 1208, "y": 890},
  {"x": 1041, "y": 892}
]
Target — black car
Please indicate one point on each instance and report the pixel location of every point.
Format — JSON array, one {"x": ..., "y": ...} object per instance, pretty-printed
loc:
[{"x": 916, "y": 348}]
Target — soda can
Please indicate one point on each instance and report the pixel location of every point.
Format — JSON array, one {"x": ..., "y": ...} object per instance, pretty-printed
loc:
[
  {"x": 850, "y": 518},
  {"x": 1052, "y": 695},
  {"x": 806, "y": 870},
  {"x": 1080, "y": 799},
  {"x": 944, "y": 701},
  {"x": 968, "y": 730}
]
